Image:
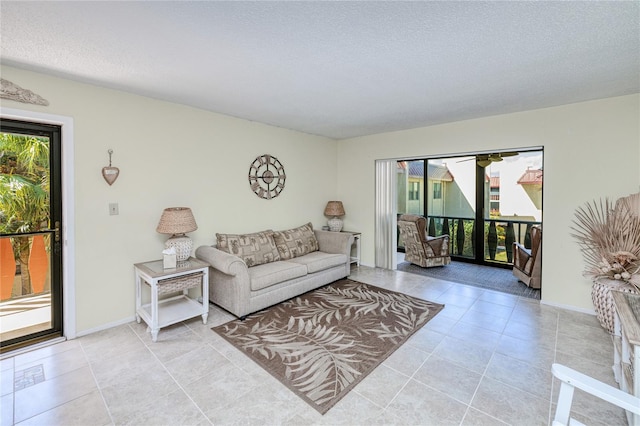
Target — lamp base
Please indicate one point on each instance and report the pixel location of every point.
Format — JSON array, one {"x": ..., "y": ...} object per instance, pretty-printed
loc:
[
  {"x": 335, "y": 224},
  {"x": 182, "y": 244}
]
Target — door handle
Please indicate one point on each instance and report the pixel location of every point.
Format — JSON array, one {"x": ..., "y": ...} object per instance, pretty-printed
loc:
[{"x": 57, "y": 232}]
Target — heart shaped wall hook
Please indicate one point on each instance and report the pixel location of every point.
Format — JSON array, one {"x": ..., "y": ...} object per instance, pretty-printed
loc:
[{"x": 109, "y": 173}]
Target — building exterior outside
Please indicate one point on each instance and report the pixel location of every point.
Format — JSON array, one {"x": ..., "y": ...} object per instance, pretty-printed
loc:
[
  {"x": 513, "y": 187},
  {"x": 512, "y": 199}
]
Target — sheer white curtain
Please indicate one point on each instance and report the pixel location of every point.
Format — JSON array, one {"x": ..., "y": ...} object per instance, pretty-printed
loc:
[{"x": 385, "y": 212}]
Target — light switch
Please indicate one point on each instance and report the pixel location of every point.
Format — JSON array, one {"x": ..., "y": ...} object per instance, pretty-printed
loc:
[{"x": 113, "y": 209}]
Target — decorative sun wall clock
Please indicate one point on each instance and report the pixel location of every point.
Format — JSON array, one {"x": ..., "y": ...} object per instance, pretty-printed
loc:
[{"x": 266, "y": 176}]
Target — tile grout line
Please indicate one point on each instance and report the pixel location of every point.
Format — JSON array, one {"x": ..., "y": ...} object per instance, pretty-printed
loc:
[
  {"x": 475, "y": 392},
  {"x": 489, "y": 362},
  {"x": 425, "y": 360},
  {"x": 468, "y": 405},
  {"x": 95, "y": 379},
  {"x": 555, "y": 358},
  {"x": 169, "y": 373},
  {"x": 408, "y": 380},
  {"x": 53, "y": 378}
]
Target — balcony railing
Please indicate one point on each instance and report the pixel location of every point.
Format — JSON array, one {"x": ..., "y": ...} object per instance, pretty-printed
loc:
[{"x": 499, "y": 236}]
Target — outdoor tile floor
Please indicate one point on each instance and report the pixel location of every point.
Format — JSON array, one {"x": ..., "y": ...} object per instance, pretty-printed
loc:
[{"x": 484, "y": 360}]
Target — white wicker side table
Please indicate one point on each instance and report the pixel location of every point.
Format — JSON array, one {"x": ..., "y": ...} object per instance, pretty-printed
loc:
[{"x": 164, "y": 312}]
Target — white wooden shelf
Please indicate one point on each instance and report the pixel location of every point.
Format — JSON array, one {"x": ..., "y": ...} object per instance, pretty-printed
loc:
[{"x": 171, "y": 310}]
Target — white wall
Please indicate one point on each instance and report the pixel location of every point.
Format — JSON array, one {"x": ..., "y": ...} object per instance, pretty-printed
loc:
[
  {"x": 591, "y": 150},
  {"x": 168, "y": 155}
]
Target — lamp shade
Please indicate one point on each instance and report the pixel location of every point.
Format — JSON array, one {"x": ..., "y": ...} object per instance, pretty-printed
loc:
[
  {"x": 176, "y": 220},
  {"x": 334, "y": 208}
]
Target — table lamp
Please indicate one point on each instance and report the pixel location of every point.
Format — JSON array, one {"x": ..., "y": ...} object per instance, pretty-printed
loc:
[
  {"x": 177, "y": 221},
  {"x": 335, "y": 209}
]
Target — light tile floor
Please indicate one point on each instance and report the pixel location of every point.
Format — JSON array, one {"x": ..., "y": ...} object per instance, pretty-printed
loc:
[{"x": 484, "y": 360}]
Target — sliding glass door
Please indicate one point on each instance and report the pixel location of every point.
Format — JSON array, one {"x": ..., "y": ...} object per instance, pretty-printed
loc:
[
  {"x": 513, "y": 184},
  {"x": 484, "y": 202}
]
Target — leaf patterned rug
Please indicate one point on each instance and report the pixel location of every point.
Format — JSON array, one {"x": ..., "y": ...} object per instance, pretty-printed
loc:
[{"x": 322, "y": 343}]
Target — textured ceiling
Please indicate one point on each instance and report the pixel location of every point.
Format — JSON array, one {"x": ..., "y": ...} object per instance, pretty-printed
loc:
[{"x": 338, "y": 69}]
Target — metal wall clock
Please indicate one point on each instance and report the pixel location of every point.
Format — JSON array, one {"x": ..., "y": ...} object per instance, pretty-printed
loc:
[{"x": 266, "y": 176}]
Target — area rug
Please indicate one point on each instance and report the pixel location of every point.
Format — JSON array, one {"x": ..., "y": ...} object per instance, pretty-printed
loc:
[
  {"x": 322, "y": 343},
  {"x": 497, "y": 279}
]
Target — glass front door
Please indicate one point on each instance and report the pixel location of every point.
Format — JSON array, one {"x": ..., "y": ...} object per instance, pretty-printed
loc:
[{"x": 30, "y": 229}]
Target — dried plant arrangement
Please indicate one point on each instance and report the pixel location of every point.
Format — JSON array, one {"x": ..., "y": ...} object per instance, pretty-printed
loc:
[{"x": 609, "y": 238}]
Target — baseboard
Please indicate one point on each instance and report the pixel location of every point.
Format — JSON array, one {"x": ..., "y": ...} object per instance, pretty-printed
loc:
[
  {"x": 106, "y": 326},
  {"x": 569, "y": 307},
  {"x": 62, "y": 339}
]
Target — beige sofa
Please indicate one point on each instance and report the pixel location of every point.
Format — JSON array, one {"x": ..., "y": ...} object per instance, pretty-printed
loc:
[{"x": 253, "y": 271}]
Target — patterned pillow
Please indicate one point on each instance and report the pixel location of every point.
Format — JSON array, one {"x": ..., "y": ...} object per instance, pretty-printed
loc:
[
  {"x": 296, "y": 242},
  {"x": 253, "y": 249}
]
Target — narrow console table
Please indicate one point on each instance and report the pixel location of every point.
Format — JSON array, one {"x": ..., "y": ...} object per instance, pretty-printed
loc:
[
  {"x": 626, "y": 342},
  {"x": 164, "y": 312}
]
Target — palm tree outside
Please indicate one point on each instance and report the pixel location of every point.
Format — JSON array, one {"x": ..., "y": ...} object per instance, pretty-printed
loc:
[{"x": 24, "y": 194}]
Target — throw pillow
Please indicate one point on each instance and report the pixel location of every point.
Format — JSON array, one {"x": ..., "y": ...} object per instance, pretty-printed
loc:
[
  {"x": 253, "y": 249},
  {"x": 296, "y": 242}
]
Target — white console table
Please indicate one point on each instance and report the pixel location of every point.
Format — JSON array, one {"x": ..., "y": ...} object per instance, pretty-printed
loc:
[{"x": 626, "y": 342}]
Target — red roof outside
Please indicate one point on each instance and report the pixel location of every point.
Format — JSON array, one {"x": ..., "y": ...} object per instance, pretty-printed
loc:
[{"x": 531, "y": 177}]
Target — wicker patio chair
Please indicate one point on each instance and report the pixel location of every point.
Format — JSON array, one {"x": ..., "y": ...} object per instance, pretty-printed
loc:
[{"x": 420, "y": 248}]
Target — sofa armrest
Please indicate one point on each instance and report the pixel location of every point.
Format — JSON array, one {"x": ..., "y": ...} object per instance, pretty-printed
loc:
[
  {"x": 334, "y": 242},
  {"x": 220, "y": 260},
  {"x": 229, "y": 282}
]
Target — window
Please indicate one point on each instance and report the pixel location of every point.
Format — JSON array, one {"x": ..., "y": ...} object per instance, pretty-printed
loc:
[
  {"x": 414, "y": 190},
  {"x": 437, "y": 190}
]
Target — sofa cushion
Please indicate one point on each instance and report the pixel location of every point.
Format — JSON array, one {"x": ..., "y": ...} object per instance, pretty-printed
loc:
[
  {"x": 319, "y": 261},
  {"x": 296, "y": 242},
  {"x": 254, "y": 249},
  {"x": 263, "y": 276}
]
